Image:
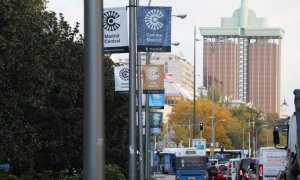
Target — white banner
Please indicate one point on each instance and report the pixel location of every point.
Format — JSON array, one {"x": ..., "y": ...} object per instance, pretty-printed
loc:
[
  {"x": 115, "y": 30},
  {"x": 121, "y": 78}
]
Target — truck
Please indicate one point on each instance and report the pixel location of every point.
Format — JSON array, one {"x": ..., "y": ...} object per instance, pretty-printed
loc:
[
  {"x": 270, "y": 161},
  {"x": 292, "y": 127}
]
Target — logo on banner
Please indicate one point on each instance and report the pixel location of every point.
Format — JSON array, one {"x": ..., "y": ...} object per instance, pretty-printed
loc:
[
  {"x": 156, "y": 119},
  {"x": 109, "y": 20},
  {"x": 152, "y": 19},
  {"x": 124, "y": 74},
  {"x": 153, "y": 73}
]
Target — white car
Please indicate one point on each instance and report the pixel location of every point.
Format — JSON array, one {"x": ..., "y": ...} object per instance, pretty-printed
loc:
[{"x": 232, "y": 168}]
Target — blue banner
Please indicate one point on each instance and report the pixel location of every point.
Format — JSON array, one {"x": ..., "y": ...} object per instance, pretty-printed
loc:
[
  {"x": 157, "y": 101},
  {"x": 154, "y": 29}
]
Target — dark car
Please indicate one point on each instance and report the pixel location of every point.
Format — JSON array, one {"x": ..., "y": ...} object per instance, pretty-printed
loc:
[{"x": 243, "y": 166}]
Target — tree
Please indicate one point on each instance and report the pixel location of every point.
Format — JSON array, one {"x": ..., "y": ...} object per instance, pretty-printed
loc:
[
  {"x": 41, "y": 66},
  {"x": 41, "y": 94},
  {"x": 116, "y": 120},
  {"x": 182, "y": 120}
]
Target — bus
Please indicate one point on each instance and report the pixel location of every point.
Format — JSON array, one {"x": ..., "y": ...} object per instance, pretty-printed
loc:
[
  {"x": 227, "y": 154},
  {"x": 190, "y": 164},
  {"x": 167, "y": 160}
]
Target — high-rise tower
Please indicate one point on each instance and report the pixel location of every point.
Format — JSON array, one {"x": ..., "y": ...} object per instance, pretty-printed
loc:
[{"x": 242, "y": 59}]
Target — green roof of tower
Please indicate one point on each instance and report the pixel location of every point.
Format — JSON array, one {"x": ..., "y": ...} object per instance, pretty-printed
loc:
[{"x": 243, "y": 23}]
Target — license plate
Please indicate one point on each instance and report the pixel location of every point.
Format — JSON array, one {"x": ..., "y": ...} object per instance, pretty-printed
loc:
[{"x": 191, "y": 178}]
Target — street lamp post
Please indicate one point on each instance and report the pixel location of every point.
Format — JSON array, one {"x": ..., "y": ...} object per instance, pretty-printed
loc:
[
  {"x": 264, "y": 125},
  {"x": 194, "y": 114},
  {"x": 212, "y": 42}
]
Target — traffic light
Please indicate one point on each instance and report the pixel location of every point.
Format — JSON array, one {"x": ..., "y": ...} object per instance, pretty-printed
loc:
[
  {"x": 201, "y": 126},
  {"x": 222, "y": 150}
]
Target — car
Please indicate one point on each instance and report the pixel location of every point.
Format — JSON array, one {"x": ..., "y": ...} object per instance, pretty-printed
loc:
[
  {"x": 231, "y": 169},
  {"x": 250, "y": 173},
  {"x": 222, "y": 170},
  {"x": 243, "y": 166}
]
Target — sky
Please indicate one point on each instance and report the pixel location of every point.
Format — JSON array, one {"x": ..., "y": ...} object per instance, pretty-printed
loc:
[{"x": 208, "y": 13}]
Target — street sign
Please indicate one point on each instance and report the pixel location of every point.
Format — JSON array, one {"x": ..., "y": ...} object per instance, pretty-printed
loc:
[{"x": 200, "y": 146}]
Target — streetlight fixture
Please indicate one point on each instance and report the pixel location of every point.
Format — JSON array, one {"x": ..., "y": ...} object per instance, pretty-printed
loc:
[
  {"x": 182, "y": 16},
  {"x": 194, "y": 114},
  {"x": 264, "y": 125},
  {"x": 212, "y": 42}
]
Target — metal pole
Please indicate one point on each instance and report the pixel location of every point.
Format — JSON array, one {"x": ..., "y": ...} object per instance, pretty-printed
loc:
[
  {"x": 249, "y": 140},
  {"x": 147, "y": 110},
  {"x": 148, "y": 151},
  {"x": 140, "y": 97},
  {"x": 132, "y": 90},
  {"x": 243, "y": 138},
  {"x": 94, "y": 157},
  {"x": 212, "y": 98},
  {"x": 194, "y": 117},
  {"x": 256, "y": 138}
]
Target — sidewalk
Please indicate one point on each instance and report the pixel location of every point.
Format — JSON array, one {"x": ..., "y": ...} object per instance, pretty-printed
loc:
[{"x": 158, "y": 176}]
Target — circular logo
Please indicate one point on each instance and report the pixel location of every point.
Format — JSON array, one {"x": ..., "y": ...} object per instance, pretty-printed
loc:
[
  {"x": 109, "y": 21},
  {"x": 156, "y": 117},
  {"x": 152, "y": 73},
  {"x": 152, "y": 19},
  {"x": 156, "y": 96},
  {"x": 124, "y": 74}
]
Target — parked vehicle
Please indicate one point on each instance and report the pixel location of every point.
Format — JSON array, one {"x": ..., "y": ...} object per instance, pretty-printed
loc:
[
  {"x": 292, "y": 169},
  {"x": 243, "y": 166},
  {"x": 270, "y": 161},
  {"x": 232, "y": 169}
]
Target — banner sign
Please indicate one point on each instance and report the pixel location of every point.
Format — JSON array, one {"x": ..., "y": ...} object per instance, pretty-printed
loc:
[
  {"x": 153, "y": 81},
  {"x": 121, "y": 78},
  {"x": 156, "y": 119},
  {"x": 154, "y": 29},
  {"x": 157, "y": 101},
  {"x": 155, "y": 131},
  {"x": 115, "y": 30}
]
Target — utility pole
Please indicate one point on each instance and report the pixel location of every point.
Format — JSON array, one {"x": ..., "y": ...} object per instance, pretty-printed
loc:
[
  {"x": 132, "y": 90},
  {"x": 94, "y": 157}
]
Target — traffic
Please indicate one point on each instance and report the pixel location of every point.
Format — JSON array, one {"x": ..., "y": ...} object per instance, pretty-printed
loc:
[
  {"x": 222, "y": 164},
  {"x": 270, "y": 163}
]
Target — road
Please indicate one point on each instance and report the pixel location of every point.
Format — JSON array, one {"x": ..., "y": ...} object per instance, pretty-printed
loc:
[{"x": 164, "y": 177}]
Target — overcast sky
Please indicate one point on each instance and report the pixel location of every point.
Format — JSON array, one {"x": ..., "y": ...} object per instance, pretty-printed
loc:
[{"x": 208, "y": 13}]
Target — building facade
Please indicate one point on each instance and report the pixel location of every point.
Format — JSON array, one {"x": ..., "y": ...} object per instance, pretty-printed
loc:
[{"x": 242, "y": 59}]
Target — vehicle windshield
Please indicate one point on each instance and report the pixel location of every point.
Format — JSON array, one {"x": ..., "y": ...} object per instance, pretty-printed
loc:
[
  {"x": 190, "y": 162},
  {"x": 222, "y": 169},
  {"x": 246, "y": 163}
]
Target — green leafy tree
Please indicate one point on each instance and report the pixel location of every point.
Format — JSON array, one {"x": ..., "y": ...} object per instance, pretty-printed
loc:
[
  {"x": 116, "y": 120},
  {"x": 41, "y": 75}
]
